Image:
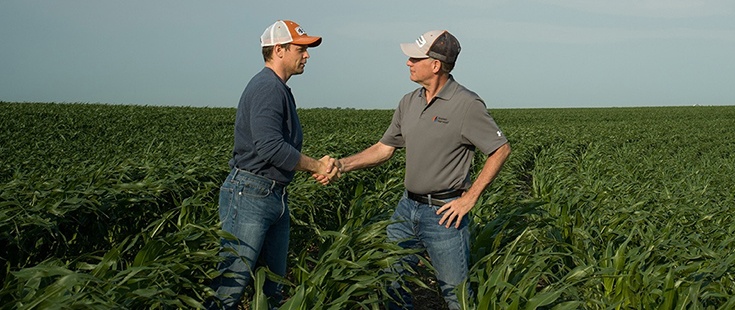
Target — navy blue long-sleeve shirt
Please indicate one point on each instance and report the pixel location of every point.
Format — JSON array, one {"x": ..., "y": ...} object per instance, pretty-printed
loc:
[{"x": 268, "y": 135}]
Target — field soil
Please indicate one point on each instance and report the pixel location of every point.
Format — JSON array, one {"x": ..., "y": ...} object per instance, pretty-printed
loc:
[{"x": 428, "y": 299}]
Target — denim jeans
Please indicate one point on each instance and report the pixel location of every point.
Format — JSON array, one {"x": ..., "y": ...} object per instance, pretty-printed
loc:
[
  {"x": 417, "y": 226},
  {"x": 254, "y": 209}
]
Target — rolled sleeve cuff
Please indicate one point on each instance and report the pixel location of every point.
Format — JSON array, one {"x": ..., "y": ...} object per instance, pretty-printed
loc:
[{"x": 290, "y": 160}]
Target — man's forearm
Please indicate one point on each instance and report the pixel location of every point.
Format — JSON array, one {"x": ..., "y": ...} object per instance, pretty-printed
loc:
[
  {"x": 309, "y": 164},
  {"x": 490, "y": 170},
  {"x": 375, "y": 155}
]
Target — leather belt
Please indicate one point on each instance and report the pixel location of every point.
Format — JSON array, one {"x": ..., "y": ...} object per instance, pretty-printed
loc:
[{"x": 436, "y": 199}]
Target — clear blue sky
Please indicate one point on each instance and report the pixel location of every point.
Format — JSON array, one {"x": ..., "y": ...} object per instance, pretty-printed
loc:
[{"x": 515, "y": 54}]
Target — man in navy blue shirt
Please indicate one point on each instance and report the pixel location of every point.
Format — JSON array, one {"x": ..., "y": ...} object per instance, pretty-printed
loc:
[{"x": 253, "y": 202}]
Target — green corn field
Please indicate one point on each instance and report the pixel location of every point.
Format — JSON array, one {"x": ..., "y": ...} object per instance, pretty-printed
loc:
[{"x": 115, "y": 207}]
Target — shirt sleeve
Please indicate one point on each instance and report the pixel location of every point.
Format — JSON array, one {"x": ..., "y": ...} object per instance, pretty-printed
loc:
[
  {"x": 267, "y": 124},
  {"x": 393, "y": 136},
  {"x": 480, "y": 129}
]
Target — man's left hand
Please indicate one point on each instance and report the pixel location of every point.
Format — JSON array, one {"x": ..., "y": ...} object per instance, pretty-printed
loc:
[{"x": 455, "y": 210}]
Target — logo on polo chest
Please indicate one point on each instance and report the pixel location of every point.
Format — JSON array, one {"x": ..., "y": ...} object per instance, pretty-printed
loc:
[{"x": 439, "y": 119}]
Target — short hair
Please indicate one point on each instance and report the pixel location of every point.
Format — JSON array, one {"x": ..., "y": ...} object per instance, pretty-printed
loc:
[
  {"x": 446, "y": 67},
  {"x": 268, "y": 51}
]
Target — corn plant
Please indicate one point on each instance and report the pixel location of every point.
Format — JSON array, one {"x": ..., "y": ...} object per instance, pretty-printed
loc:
[{"x": 110, "y": 206}]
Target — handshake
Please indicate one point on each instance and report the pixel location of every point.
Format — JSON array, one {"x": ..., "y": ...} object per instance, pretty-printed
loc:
[{"x": 330, "y": 169}]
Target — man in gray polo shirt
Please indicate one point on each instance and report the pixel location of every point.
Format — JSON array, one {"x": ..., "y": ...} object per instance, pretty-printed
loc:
[{"x": 440, "y": 124}]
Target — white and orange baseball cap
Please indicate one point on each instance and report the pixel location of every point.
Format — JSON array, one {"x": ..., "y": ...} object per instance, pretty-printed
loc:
[
  {"x": 438, "y": 44},
  {"x": 286, "y": 31}
]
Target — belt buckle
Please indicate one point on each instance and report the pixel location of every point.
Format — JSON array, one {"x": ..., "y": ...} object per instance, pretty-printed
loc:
[{"x": 430, "y": 201}]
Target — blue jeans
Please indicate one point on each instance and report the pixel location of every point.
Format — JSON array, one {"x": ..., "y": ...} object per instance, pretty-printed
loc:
[
  {"x": 417, "y": 226},
  {"x": 254, "y": 209}
]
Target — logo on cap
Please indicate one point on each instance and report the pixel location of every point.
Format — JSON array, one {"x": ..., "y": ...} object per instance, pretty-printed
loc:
[
  {"x": 421, "y": 41},
  {"x": 300, "y": 31}
]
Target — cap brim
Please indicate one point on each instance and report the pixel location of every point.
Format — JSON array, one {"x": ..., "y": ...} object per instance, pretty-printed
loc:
[
  {"x": 308, "y": 41},
  {"x": 411, "y": 50}
]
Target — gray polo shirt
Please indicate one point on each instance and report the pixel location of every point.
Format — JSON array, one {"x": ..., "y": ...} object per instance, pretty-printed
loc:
[{"x": 440, "y": 138}]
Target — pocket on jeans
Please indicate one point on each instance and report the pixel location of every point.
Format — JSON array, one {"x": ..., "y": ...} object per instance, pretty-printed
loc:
[
  {"x": 226, "y": 200},
  {"x": 254, "y": 189}
]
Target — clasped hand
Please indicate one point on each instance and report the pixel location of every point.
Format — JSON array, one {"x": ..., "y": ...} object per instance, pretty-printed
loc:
[{"x": 328, "y": 171}]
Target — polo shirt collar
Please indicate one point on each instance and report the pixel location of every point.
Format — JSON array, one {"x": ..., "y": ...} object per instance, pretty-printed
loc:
[{"x": 446, "y": 92}]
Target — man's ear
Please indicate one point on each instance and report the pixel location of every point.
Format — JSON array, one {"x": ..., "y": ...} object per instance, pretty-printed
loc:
[
  {"x": 436, "y": 66},
  {"x": 278, "y": 51}
]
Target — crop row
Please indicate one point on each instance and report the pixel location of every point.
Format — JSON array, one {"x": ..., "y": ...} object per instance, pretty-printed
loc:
[{"x": 105, "y": 206}]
